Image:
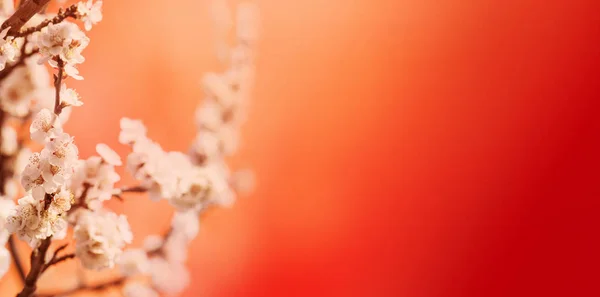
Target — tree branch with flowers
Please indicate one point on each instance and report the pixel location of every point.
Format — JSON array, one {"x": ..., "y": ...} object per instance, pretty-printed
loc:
[{"x": 56, "y": 190}]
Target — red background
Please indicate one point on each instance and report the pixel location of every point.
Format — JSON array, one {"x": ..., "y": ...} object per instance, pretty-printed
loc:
[{"x": 402, "y": 148}]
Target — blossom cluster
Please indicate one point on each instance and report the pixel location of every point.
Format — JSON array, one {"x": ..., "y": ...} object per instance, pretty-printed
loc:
[{"x": 42, "y": 212}]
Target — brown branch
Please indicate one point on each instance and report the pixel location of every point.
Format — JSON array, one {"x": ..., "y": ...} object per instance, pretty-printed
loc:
[
  {"x": 71, "y": 11},
  {"x": 95, "y": 288},
  {"x": 134, "y": 189},
  {"x": 25, "y": 12},
  {"x": 16, "y": 259},
  {"x": 37, "y": 264},
  {"x": 57, "y": 260},
  {"x": 57, "y": 86}
]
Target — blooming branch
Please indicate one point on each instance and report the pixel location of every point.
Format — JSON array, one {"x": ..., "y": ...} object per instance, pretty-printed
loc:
[{"x": 62, "y": 191}]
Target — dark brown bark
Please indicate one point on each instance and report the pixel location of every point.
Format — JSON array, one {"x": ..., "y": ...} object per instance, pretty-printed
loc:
[
  {"x": 37, "y": 267},
  {"x": 23, "y": 14}
]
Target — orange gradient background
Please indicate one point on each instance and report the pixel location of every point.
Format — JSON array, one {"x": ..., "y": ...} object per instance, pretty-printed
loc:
[{"x": 402, "y": 148}]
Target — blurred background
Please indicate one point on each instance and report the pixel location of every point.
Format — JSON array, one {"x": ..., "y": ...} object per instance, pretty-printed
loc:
[{"x": 401, "y": 148}]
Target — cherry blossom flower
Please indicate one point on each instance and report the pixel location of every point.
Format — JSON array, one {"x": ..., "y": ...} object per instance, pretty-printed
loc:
[
  {"x": 100, "y": 237},
  {"x": 31, "y": 223},
  {"x": 61, "y": 151},
  {"x": 207, "y": 145},
  {"x": 131, "y": 131},
  {"x": 97, "y": 179},
  {"x": 64, "y": 41},
  {"x": 108, "y": 155},
  {"x": 217, "y": 86},
  {"x": 133, "y": 262},
  {"x": 68, "y": 97},
  {"x": 209, "y": 116},
  {"x": 32, "y": 174},
  {"x": 186, "y": 224},
  {"x": 44, "y": 125},
  {"x": 168, "y": 277},
  {"x": 90, "y": 13}
]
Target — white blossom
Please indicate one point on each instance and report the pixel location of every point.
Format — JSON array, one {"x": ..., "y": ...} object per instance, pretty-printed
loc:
[
  {"x": 229, "y": 139},
  {"x": 131, "y": 131},
  {"x": 195, "y": 190},
  {"x": 207, "y": 145},
  {"x": 209, "y": 116},
  {"x": 53, "y": 167},
  {"x": 32, "y": 223},
  {"x": 221, "y": 192},
  {"x": 61, "y": 151},
  {"x": 108, "y": 155},
  {"x": 90, "y": 13},
  {"x": 168, "y": 277},
  {"x": 61, "y": 202},
  {"x": 96, "y": 178},
  {"x": 44, "y": 125},
  {"x": 186, "y": 224},
  {"x": 69, "y": 97},
  {"x": 100, "y": 237},
  {"x": 32, "y": 174},
  {"x": 175, "y": 248},
  {"x": 133, "y": 262},
  {"x": 64, "y": 41},
  {"x": 219, "y": 88},
  {"x": 138, "y": 290}
]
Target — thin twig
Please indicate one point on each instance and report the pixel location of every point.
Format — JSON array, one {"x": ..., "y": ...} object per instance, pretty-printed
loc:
[
  {"x": 71, "y": 11},
  {"x": 57, "y": 86},
  {"x": 134, "y": 189},
  {"x": 57, "y": 260}
]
